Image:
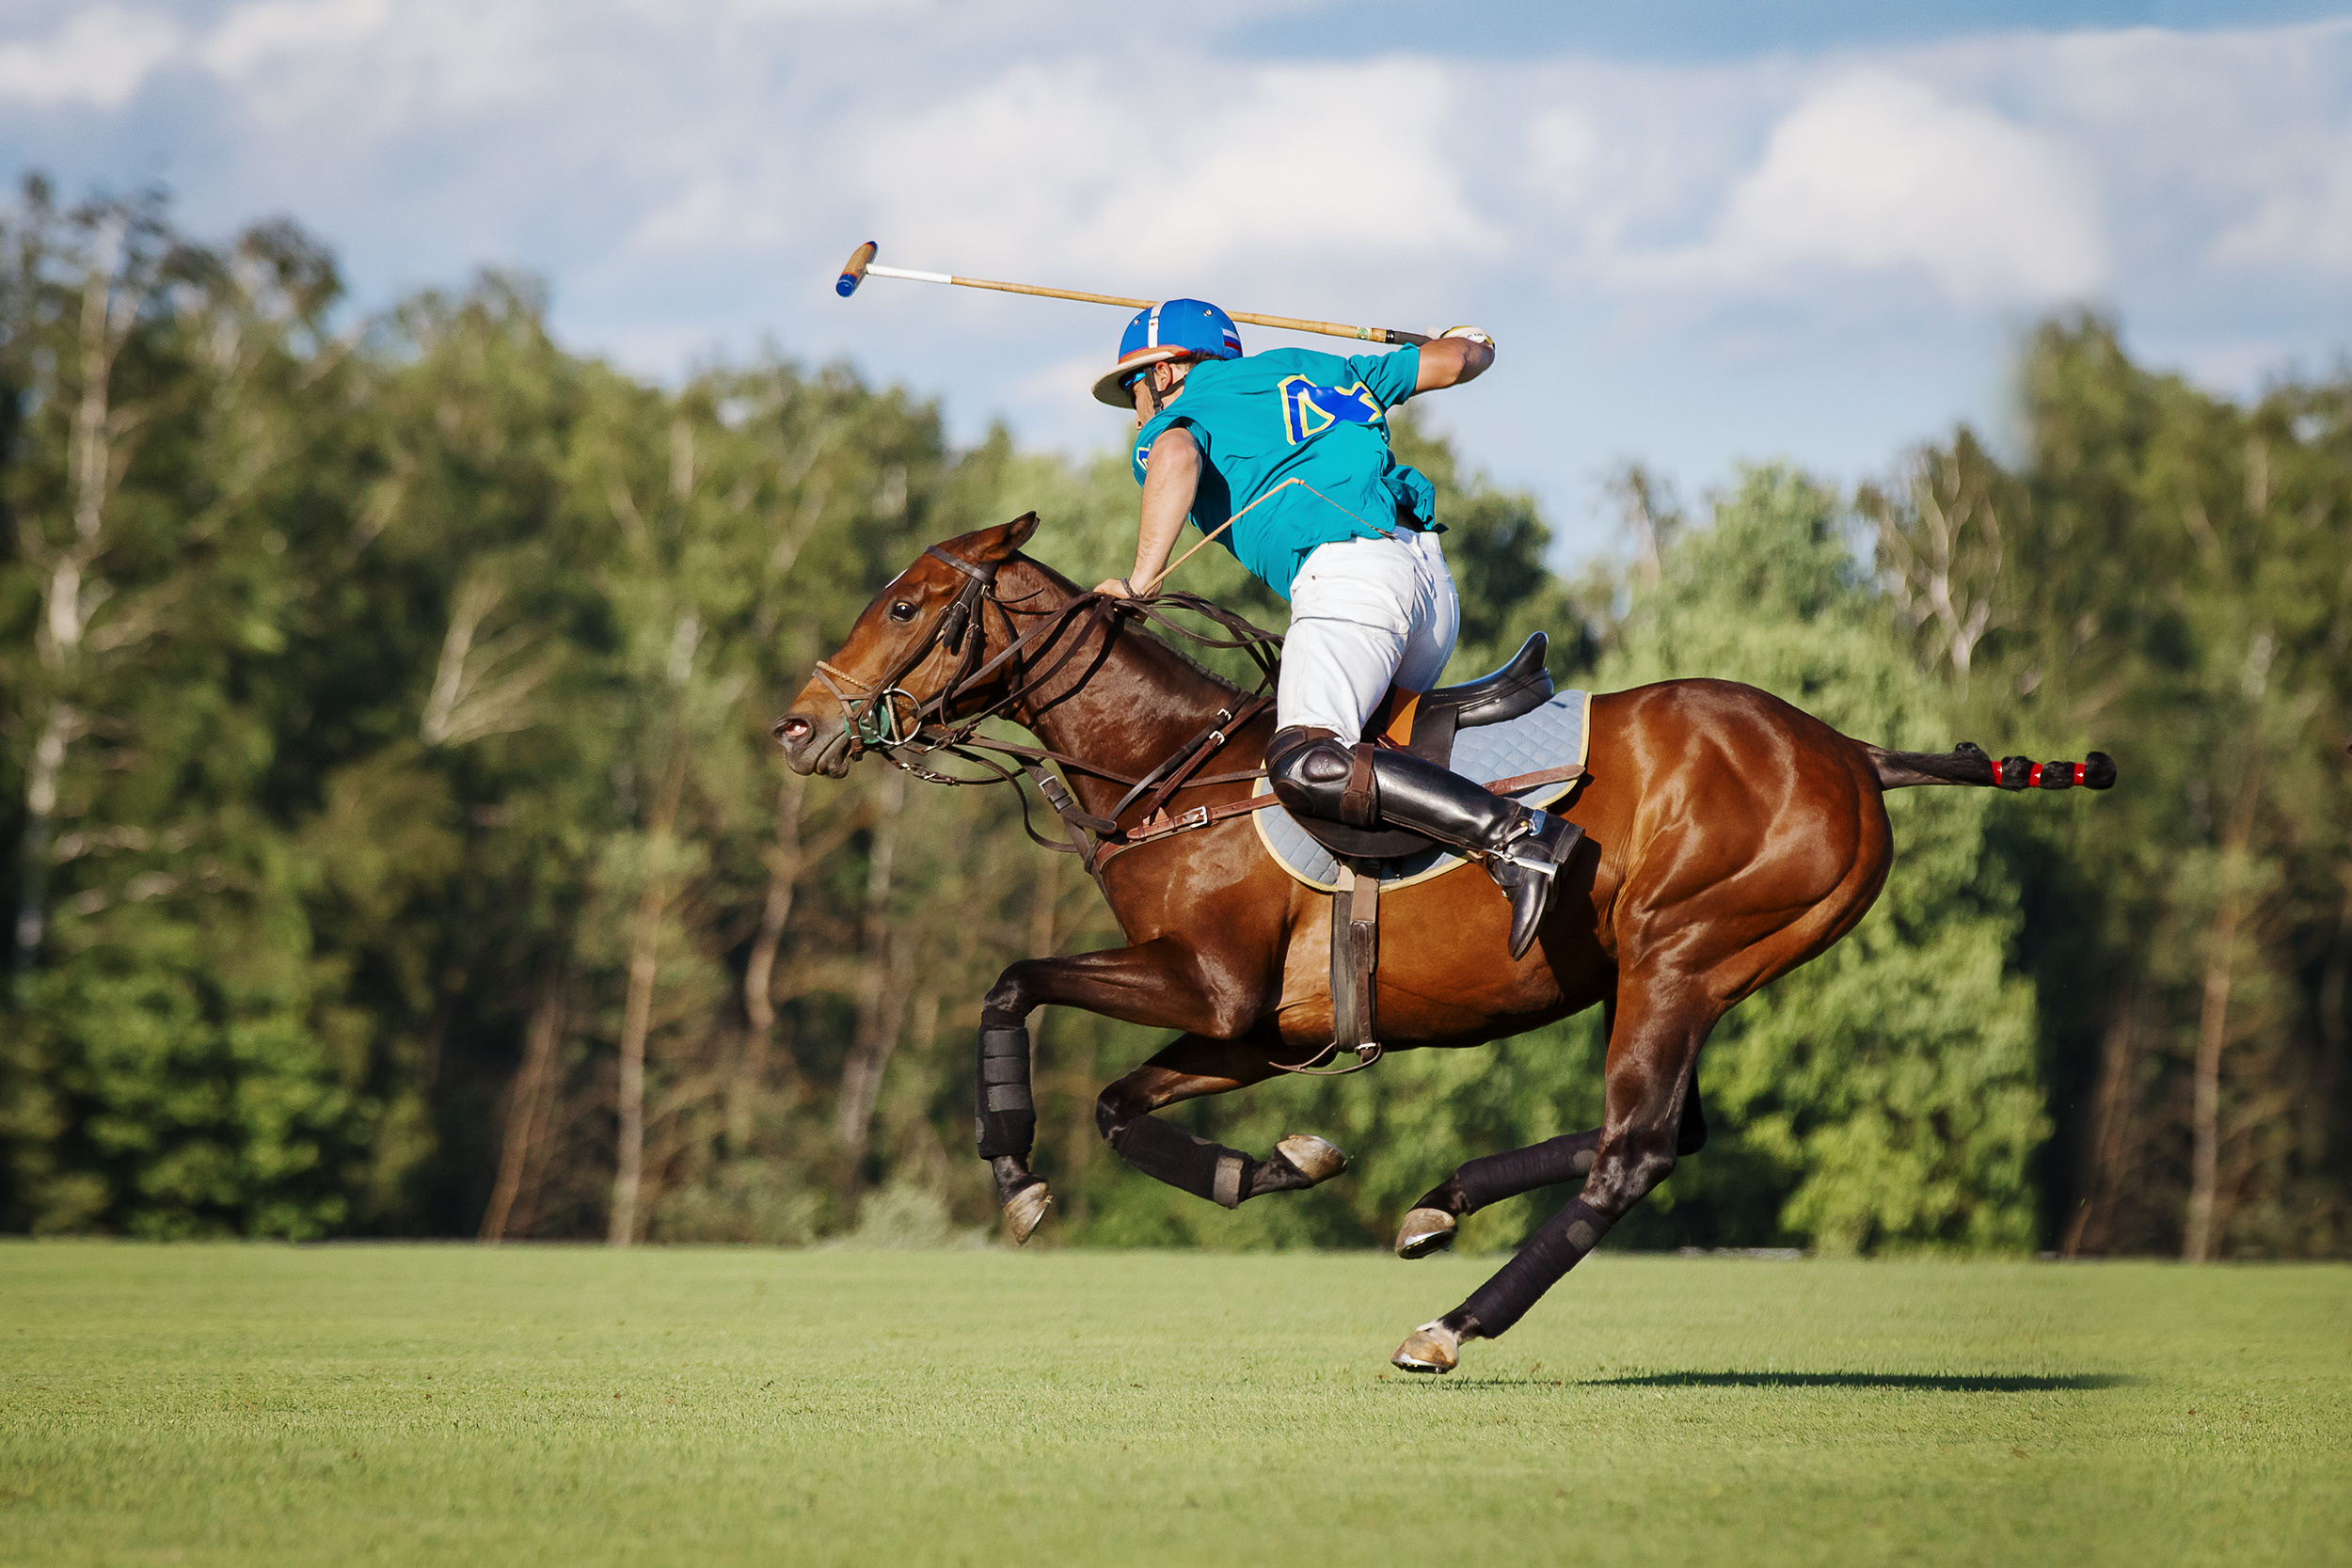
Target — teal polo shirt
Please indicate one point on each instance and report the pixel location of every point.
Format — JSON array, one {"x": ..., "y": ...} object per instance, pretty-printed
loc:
[{"x": 1294, "y": 446}]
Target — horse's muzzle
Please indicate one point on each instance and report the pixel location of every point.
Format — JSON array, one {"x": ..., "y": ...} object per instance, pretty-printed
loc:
[{"x": 813, "y": 744}]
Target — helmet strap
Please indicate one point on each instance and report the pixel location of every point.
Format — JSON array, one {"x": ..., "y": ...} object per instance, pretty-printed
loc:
[{"x": 1152, "y": 385}]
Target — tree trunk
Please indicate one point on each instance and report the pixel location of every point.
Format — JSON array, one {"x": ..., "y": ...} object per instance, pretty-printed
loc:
[
  {"x": 637, "y": 1013},
  {"x": 880, "y": 1001},
  {"x": 862, "y": 1076},
  {"x": 2200, "y": 1243},
  {"x": 526, "y": 1107},
  {"x": 2333, "y": 1024},
  {"x": 68, "y": 598},
  {"x": 2103, "y": 1167},
  {"x": 759, "y": 974},
  {"x": 40, "y": 807}
]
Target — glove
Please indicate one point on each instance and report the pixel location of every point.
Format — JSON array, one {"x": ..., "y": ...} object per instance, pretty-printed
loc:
[{"x": 1474, "y": 334}]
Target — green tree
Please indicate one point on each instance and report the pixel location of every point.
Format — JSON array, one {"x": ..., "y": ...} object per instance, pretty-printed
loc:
[
  {"x": 2164, "y": 577},
  {"x": 180, "y": 1059}
]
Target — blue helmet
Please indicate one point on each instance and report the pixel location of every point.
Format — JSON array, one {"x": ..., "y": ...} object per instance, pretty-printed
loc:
[{"x": 1172, "y": 330}]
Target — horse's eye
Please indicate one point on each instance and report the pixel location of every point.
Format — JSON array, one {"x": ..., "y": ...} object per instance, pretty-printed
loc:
[{"x": 902, "y": 611}]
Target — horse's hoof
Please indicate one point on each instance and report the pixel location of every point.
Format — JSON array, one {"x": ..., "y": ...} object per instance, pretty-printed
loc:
[
  {"x": 1024, "y": 1209},
  {"x": 1313, "y": 1157},
  {"x": 1431, "y": 1348},
  {"x": 1424, "y": 1231}
]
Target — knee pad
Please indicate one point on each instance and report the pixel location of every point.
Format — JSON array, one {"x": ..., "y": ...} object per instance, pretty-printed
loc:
[{"x": 1315, "y": 773}]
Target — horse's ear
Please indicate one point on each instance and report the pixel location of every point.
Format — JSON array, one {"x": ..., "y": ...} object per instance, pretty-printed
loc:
[{"x": 998, "y": 544}]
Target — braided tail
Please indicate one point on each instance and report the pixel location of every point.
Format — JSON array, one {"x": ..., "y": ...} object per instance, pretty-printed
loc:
[{"x": 1968, "y": 763}]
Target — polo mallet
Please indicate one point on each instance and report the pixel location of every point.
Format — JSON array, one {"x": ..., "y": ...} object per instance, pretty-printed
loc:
[{"x": 860, "y": 266}]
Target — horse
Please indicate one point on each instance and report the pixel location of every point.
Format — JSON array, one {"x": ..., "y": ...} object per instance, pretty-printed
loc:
[{"x": 1728, "y": 837}]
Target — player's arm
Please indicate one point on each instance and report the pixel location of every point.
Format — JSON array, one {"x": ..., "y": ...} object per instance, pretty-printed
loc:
[
  {"x": 1170, "y": 478},
  {"x": 1459, "y": 355}
]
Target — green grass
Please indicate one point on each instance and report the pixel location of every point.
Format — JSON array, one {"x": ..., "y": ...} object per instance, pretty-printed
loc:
[{"x": 447, "y": 1405}]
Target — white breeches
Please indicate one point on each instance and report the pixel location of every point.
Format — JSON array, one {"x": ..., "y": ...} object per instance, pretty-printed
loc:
[{"x": 1364, "y": 614}]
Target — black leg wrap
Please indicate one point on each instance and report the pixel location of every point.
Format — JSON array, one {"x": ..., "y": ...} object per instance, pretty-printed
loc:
[
  {"x": 1006, "y": 1113},
  {"x": 1169, "y": 1154},
  {"x": 1496, "y": 1177},
  {"x": 1557, "y": 1246}
]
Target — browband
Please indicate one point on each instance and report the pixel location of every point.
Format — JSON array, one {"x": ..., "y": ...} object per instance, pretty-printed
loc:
[{"x": 985, "y": 574}]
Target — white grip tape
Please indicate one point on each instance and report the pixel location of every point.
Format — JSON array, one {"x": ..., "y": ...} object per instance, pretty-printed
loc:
[{"x": 913, "y": 276}]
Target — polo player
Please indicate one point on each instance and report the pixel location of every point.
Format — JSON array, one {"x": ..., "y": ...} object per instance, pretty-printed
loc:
[{"x": 1287, "y": 452}]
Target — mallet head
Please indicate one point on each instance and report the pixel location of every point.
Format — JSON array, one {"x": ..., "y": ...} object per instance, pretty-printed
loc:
[{"x": 854, "y": 270}]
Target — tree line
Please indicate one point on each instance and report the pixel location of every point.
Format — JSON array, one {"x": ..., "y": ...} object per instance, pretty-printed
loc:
[{"x": 394, "y": 846}]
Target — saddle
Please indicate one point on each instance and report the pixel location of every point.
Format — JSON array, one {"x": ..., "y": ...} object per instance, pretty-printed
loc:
[
  {"x": 1354, "y": 863},
  {"x": 1424, "y": 723}
]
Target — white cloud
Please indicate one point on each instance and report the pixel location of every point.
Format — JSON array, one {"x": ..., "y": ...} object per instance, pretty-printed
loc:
[
  {"x": 1875, "y": 172},
  {"x": 268, "y": 31},
  {"x": 1563, "y": 150},
  {"x": 1818, "y": 253},
  {"x": 2303, "y": 222},
  {"x": 1301, "y": 163},
  {"x": 100, "y": 56},
  {"x": 385, "y": 67}
]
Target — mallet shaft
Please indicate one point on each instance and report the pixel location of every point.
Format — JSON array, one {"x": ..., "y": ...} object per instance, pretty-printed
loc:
[
  {"x": 862, "y": 265},
  {"x": 1336, "y": 330},
  {"x": 873, "y": 271}
]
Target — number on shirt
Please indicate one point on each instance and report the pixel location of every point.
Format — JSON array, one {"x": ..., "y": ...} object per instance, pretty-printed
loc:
[{"x": 1309, "y": 410}]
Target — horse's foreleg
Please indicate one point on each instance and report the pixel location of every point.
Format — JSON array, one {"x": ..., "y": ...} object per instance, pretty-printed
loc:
[
  {"x": 1191, "y": 1069},
  {"x": 1150, "y": 984},
  {"x": 1653, "y": 1051},
  {"x": 1429, "y": 1226}
]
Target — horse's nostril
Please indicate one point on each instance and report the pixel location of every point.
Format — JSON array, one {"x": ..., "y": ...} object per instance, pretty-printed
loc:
[{"x": 792, "y": 730}]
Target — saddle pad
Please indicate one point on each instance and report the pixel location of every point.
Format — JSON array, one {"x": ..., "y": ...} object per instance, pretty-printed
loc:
[{"x": 1551, "y": 736}]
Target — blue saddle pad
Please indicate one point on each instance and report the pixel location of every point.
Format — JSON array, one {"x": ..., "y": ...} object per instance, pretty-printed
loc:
[{"x": 1551, "y": 736}]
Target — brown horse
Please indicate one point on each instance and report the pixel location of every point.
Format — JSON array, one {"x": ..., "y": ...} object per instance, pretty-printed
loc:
[{"x": 1728, "y": 838}]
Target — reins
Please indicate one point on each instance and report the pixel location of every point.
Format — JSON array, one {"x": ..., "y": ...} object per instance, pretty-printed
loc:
[
  {"x": 873, "y": 723},
  {"x": 885, "y": 716}
]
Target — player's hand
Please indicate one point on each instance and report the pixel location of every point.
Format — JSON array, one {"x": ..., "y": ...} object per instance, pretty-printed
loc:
[
  {"x": 1116, "y": 588},
  {"x": 1456, "y": 355}
]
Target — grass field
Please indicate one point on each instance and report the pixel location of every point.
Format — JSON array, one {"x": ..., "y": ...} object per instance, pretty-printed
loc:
[{"x": 449, "y": 1406}]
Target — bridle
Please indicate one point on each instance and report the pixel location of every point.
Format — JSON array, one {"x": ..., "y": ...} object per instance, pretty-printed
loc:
[
  {"x": 883, "y": 716},
  {"x": 872, "y": 719}
]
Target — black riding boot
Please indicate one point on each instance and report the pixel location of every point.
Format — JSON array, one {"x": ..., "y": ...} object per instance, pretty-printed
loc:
[{"x": 1316, "y": 774}]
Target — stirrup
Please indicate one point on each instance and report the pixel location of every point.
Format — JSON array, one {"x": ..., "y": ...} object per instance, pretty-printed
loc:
[
  {"x": 1545, "y": 842},
  {"x": 1525, "y": 866}
]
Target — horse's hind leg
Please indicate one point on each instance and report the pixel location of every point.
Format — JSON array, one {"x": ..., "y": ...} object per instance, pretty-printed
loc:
[
  {"x": 1190, "y": 1068},
  {"x": 1429, "y": 1226},
  {"x": 1662, "y": 1022}
]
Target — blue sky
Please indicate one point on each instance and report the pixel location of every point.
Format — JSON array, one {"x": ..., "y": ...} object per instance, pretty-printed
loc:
[
  {"x": 1703, "y": 232},
  {"x": 1692, "y": 30}
]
